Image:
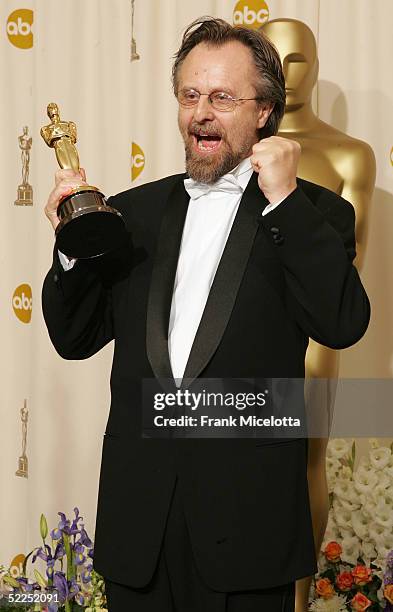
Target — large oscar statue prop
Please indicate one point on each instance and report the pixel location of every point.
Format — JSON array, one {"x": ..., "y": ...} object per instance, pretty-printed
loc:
[
  {"x": 88, "y": 227},
  {"x": 346, "y": 166}
]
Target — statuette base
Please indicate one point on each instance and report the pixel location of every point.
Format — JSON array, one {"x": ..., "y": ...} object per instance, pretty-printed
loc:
[
  {"x": 88, "y": 227},
  {"x": 23, "y": 467},
  {"x": 25, "y": 196}
]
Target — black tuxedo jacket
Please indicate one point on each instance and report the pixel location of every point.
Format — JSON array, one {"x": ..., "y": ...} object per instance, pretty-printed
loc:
[{"x": 282, "y": 278}]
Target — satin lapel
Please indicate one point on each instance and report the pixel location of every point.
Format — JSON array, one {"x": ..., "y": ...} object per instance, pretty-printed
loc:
[
  {"x": 162, "y": 281},
  {"x": 227, "y": 281}
]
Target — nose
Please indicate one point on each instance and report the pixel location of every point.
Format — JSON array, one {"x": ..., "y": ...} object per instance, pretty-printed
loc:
[{"x": 203, "y": 110}]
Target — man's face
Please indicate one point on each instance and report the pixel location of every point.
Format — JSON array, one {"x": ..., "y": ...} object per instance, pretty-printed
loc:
[{"x": 217, "y": 141}]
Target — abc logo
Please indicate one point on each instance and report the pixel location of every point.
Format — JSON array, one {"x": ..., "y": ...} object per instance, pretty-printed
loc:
[
  {"x": 250, "y": 13},
  {"x": 137, "y": 161},
  {"x": 16, "y": 568},
  {"x": 22, "y": 303},
  {"x": 20, "y": 28}
]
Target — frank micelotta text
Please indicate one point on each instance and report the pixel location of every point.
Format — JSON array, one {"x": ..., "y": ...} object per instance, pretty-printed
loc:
[{"x": 204, "y": 420}]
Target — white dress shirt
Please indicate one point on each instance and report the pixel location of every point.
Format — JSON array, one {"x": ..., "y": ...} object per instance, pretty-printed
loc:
[{"x": 210, "y": 215}]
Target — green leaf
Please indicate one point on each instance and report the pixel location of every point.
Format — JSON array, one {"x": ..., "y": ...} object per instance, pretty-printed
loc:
[
  {"x": 11, "y": 581},
  {"x": 40, "y": 579}
]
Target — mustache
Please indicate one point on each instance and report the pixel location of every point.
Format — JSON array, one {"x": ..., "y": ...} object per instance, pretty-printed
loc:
[{"x": 204, "y": 130}]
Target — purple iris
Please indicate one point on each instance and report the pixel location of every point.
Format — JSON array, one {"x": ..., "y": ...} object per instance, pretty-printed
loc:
[
  {"x": 26, "y": 585},
  {"x": 79, "y": 558},
  {"x": 64, "y": 524},
  {"x": 56, "y": 533},
  {"x": 42, "y": 554},
  {"x": 84, "y": 539},
  {"x": 80, "y": 599},
  {"x": 86, "y": 576},
  {"x": 73, "y": 587},
  {"x": 60, "y": 584}
]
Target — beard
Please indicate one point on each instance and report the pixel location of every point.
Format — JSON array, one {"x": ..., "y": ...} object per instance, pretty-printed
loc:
[{"x": 209, "y": 168}]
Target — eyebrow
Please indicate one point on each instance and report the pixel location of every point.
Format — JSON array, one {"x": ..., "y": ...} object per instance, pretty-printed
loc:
[{"x": 216, "y": 89}]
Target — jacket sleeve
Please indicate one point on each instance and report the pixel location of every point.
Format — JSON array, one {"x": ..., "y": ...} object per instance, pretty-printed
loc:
[
  {"x": 315, "y": 242},
  {"x": 77, "y": 308},
  {"x": 77, "y": 303}
]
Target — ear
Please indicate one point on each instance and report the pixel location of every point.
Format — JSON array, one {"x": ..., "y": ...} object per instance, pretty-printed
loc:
[{"x": 263, "y": 114}]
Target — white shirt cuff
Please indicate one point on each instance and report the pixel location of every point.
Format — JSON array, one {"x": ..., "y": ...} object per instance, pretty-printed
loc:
[
  {"x": 66, "y": 263},
  {"x": 271, "y": 207}
]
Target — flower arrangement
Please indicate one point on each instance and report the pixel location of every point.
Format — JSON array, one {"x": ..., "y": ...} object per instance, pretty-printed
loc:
[
  {"x": 356, "y": 561},
  {"x": 69, "y": 570},
  {"x": 344, "y": 586}
]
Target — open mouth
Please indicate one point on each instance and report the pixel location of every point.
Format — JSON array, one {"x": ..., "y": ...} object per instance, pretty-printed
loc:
[{"x": 206, "y": 143}]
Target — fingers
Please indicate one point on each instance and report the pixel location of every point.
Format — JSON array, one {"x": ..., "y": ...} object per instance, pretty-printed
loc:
[
  {"x": 65, "y": 182},
  {"x": 61, "y": 175},
  {"x": 256, "y": 163}
]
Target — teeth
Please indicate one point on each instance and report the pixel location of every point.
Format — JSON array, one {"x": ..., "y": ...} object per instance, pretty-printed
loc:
[{"x": 202, "y": 146}]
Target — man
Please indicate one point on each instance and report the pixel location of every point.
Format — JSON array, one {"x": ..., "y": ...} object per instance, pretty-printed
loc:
[{"x": 228, "y": 272}]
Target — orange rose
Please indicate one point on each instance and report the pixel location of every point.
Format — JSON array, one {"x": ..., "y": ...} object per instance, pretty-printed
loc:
[
  {"x": 324, "y": 588},
  {"x": 344, "y": 581},
  {"x": 361, "y": 574},
  {"x": 388, "y": 593},
  {"x": 333, "y": 551},
  {"x": 360, "y": 602}
]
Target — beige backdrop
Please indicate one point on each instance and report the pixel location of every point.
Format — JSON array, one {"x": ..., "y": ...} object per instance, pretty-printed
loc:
[{"x": 80, "y": 58}]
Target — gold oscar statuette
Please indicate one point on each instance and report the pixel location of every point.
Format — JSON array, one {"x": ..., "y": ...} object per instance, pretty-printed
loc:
[
  {"x": 88, "y": 226},
  {"x": 25, "y": 191},
  {"x": 23, "y": 464},
  {"x": 134, "y": 53}
]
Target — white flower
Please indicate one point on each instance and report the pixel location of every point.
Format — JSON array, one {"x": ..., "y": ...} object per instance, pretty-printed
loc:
[
  {"x": 341, "y": 514},
  {"x": 380, "y": 457},
  {"x": 331, "y": 533},
  {"x": 333, "y": 468},
  {"x": 377, "y": 532},
  {"x": 346, "y": 472},
  {"x": 368, "y": 509},
  {"x": 381, "y": 559},
  {"x": 348, "y": 532},
  {"x": 380, "y": 594},
  {"x": 382, "y": 493},
  {"x": 345, "y": 491},
  {"x": 389, "y": 467},
  {"x": 368, "y": 551},
  {"x": 351, "y": 550},
  {"x": 360, "y": 524},
  {"x": 364, "y": 462},
  {"x": 334, "y": 604},
  {"x": 365, "y": 479},
  {"x": 322, "y": 561},
  {"x": 383, "y": 515},
  {"x": 337, "y": 448}
]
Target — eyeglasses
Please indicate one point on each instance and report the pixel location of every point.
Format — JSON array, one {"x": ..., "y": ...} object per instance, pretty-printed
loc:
[{"x": 219, "y": 100}]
